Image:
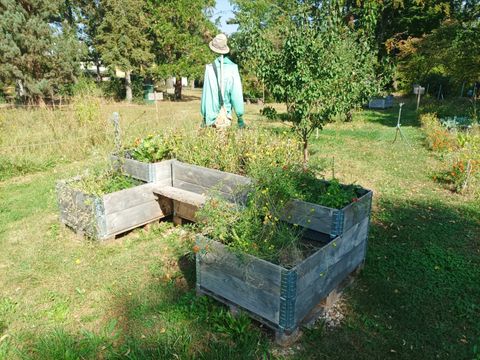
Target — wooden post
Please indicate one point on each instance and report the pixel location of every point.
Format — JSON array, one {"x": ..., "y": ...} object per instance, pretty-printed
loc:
[
  {"x": 418, "y": 97},
  {"x": 118, "y": 133},
  {"x": 463, "y": 87},
  {"x": 439, "y": 92}
]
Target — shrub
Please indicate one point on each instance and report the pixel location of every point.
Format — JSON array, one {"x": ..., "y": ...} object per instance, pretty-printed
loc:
[
  {"x": 461, "y": 152},
  {"x": 86, "y": 102},
  {"x": 438, "y": 138},
  {"x": 269, "y": 112},
  {"x": 153, "y": 148},
  {"x": 231, "y": 150}
]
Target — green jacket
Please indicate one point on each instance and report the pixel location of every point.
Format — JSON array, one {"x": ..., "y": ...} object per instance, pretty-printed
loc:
[{"x": 233, "y": 98}]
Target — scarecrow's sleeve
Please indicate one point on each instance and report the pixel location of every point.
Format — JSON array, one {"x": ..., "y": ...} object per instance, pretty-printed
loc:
[
  {"x": 237, "y": 94},
  {"x": 203, "y": 104}
]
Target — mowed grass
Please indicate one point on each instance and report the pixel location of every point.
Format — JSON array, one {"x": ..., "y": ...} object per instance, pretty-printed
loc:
[{"x": 62, "y": 297}]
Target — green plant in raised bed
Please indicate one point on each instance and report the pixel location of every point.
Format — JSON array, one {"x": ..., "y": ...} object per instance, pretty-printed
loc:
[
  {"x": 153, "y": 148},
  {"x": 294, "y": 182},
  {"x": 255, "y": 227},
  {"x": 107, "y": 182},
  {"x": 231, "y": 150}
]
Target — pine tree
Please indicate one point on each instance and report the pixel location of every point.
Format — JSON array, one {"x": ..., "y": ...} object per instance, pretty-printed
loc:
[
  {"x": 123, "y": 38},
  {"x": 181, "y": 31},
  {"x": 38, "y": 51}
]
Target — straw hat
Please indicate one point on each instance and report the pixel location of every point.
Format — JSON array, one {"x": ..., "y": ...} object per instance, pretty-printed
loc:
[{"x": 219, "y": 44}]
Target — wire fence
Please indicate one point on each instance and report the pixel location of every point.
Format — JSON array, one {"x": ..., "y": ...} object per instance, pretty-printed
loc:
[{"x": 125, "y": 126}]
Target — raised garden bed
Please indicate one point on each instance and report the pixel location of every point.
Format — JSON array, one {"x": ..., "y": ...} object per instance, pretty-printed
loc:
[
  {"x": 280, "y": 298},
  {"x": 105, "y": 216},
  {"x": 381, "y": 103}
]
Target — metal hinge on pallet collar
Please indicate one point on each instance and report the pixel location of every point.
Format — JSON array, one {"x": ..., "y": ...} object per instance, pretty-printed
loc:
[{"x": 288, "y": 296}]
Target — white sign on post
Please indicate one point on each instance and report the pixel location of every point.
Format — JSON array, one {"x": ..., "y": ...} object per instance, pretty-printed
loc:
[{"x": 418, "y": 90}]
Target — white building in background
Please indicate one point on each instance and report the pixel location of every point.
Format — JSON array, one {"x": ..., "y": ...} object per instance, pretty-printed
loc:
[{"x": 92, "y": 68}]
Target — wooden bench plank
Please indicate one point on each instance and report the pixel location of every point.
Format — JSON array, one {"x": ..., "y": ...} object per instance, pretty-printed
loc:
[{"x": 180, "y": 195}]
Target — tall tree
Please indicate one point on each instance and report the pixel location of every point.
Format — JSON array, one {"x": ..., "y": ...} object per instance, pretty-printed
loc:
[
  {"x": 316, "y": 64},
  {"x": 181, "y": 30},
  {"x": 450, "y": 55},
  {"x": 38, "y": 51},
  {"x": 89, "y": 16},
  {"x": 123, "y": 38}
]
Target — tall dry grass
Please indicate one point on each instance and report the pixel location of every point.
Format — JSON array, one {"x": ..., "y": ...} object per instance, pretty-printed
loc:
[{"x": 34, "y": 139}]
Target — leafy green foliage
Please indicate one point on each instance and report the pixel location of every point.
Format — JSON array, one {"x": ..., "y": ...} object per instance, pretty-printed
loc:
[
  {"x": 256, "y": 228},
  {"x": 269, "y": 112},
  {"x": 449, "y": 56},
  {"x": 152, "y": 148},
  {"x": 233, "y": 150},
  {"x": 39, "y": 51},
  {"x": 319, "y": 69},
  {"x": 292, "y": 182},
  {"x": 180, "y": 31},
  {"x": 123, "y": 38},
  {"x": 460, "y": 151},
  {"x": 108, "y": 182}
]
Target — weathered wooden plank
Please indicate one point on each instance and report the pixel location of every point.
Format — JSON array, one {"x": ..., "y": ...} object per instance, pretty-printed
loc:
[
  {"x": 185, "y": 211},
  {"x": 323, "y": 285},
  {"x": 148, "y": 172},
  {"x": 136, "y": 169},
  {"x": 257, "y": 272},
  {"x": 132, "y": 217},
  {"x": 308, "y": 215},
  {"x": 357, "y": 211},
  {"x": 162, "y": 172},
  {"x": 208, "y": 178},
  {"x": 247, "y": 281},
  {"x": 128, "y": 198},
  {"x": 202, "y": 291},
  {"x": 180, "y": 195},
  {"x": 237, "y": 198},
  {"x": 319, "y": 263},
  {"x": 261, "y": 302},
  {"x": 184, "y": 185}
]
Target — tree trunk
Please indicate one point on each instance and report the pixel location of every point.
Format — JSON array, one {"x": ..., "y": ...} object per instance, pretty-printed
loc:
[
  {"x": 99, "y": 75},
  {"x": 128, "y": 86},
  {"x": 178, "y": 88},
  {"x": 349, "y": 116},
  {"x": 305, "y": 154},
  {"x": 20, "y": 89}
]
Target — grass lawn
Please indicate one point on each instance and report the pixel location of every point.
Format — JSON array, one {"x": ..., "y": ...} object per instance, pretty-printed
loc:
[{"x": 62, "y": 297}]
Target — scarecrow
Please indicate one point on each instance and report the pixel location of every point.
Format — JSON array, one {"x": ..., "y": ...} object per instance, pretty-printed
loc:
[{"x": 222, "y": 88}]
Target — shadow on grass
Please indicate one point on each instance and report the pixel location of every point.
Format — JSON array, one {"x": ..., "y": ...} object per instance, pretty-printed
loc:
[
  {"x": 186, "y": 98},
  {"x": 418, "y": 294},
  {"x": 416, "y": 298},
  {"x": 163, "y": 319},
  {"x": 389, "y": 117}
]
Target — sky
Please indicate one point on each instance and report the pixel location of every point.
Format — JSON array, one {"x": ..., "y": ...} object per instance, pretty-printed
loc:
[{"x": 223, "y": 9}]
